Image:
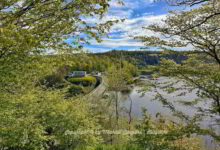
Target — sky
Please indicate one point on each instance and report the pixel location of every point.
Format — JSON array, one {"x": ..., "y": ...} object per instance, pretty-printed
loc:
[{"x": 138, "y": 14}]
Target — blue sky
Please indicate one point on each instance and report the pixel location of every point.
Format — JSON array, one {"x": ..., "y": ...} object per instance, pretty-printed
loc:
[{"x": 138, "y": 13}]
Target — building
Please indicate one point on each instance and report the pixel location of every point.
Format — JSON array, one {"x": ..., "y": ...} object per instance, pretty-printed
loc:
[{"x": 77, "y": 74}]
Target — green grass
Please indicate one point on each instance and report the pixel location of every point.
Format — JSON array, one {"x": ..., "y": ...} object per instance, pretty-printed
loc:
[{"x": 84, "y": 81}]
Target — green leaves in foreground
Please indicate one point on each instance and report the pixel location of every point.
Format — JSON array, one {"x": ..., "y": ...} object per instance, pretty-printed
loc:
[
  {"x": 33, "y": 117},
  {"x": 36, "y": 121}
]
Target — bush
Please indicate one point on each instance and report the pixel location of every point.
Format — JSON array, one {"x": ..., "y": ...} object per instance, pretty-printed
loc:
[
  {"x": 84, "y": 81},
  {"x": 75, "y": 90},
  {"x": 52, "y": 81},
  {"x": 117, "y": 147}
]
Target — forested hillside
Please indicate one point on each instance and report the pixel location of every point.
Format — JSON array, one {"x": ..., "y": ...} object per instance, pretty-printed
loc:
[{"x": 144, "y": 58}]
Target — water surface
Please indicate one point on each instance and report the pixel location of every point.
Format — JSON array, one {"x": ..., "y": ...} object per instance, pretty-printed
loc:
[{"x": 136, "y": 101}]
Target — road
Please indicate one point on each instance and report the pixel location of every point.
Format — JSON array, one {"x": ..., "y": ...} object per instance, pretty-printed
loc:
[{"x": 98, "y": 91}]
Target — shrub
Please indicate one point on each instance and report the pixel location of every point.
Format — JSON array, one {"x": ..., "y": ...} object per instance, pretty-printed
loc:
[
  {"x": 75, "y": 90},
  {"x": 52, "y": 81},
  {"x": 117, "y": 147},
  {"x": 85, "y": 81}
]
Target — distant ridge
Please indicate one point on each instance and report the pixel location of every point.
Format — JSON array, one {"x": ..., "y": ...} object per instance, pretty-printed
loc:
[{"x": 144, "y": 58}]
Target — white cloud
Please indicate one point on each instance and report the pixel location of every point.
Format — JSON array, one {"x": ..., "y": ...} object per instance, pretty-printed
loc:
[
  {"x": 115, "y": 43},
  {"x": 122, "y": 33},
  {"x": 132, "y": 4},
  {"x": 121, "y": 13},
  {"x": 132, "y": 26},
  {"x": 97, "y": 50},
  {"x": 128, "y": 29},
  {"x": 127, "y": 4}
]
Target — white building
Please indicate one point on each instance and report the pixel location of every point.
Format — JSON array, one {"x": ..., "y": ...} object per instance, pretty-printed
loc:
[{"x": 77, "y": 74}]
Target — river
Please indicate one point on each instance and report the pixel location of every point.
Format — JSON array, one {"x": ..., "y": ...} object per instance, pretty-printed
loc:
[{"x": 140, "y": 100}]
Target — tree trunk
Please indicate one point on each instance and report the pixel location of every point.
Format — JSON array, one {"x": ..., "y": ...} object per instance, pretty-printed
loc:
[
  {"x": 116, "y": 108},
  {"x": 129, "y": 113}
]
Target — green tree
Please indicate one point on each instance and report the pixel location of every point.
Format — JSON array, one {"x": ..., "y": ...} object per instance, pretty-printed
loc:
[
  {"x": 117, "y": 81},
  {"x": 29, "y": 28},
  {"x": 201, "y": 71},
  {"x": 165, "y": 135},
  {"x": 32, "y": 46}
]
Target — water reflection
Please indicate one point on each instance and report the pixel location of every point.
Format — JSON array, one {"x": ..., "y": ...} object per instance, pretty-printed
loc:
[{"x": 134, "y": 101}]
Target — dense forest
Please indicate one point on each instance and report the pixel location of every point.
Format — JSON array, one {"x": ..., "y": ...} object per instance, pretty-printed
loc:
[{"x": 145, "y": 58}]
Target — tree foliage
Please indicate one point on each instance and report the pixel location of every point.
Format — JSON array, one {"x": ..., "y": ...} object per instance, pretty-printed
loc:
[
  {"x": 32, "y": 47},
  {"x": 191, "y": 3},
  {"x": 165, "y": 135},
  {"x": 196, "y": 30},
  {"x": 201, "y": 70},
  {"x": 30, "y": 28}
]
